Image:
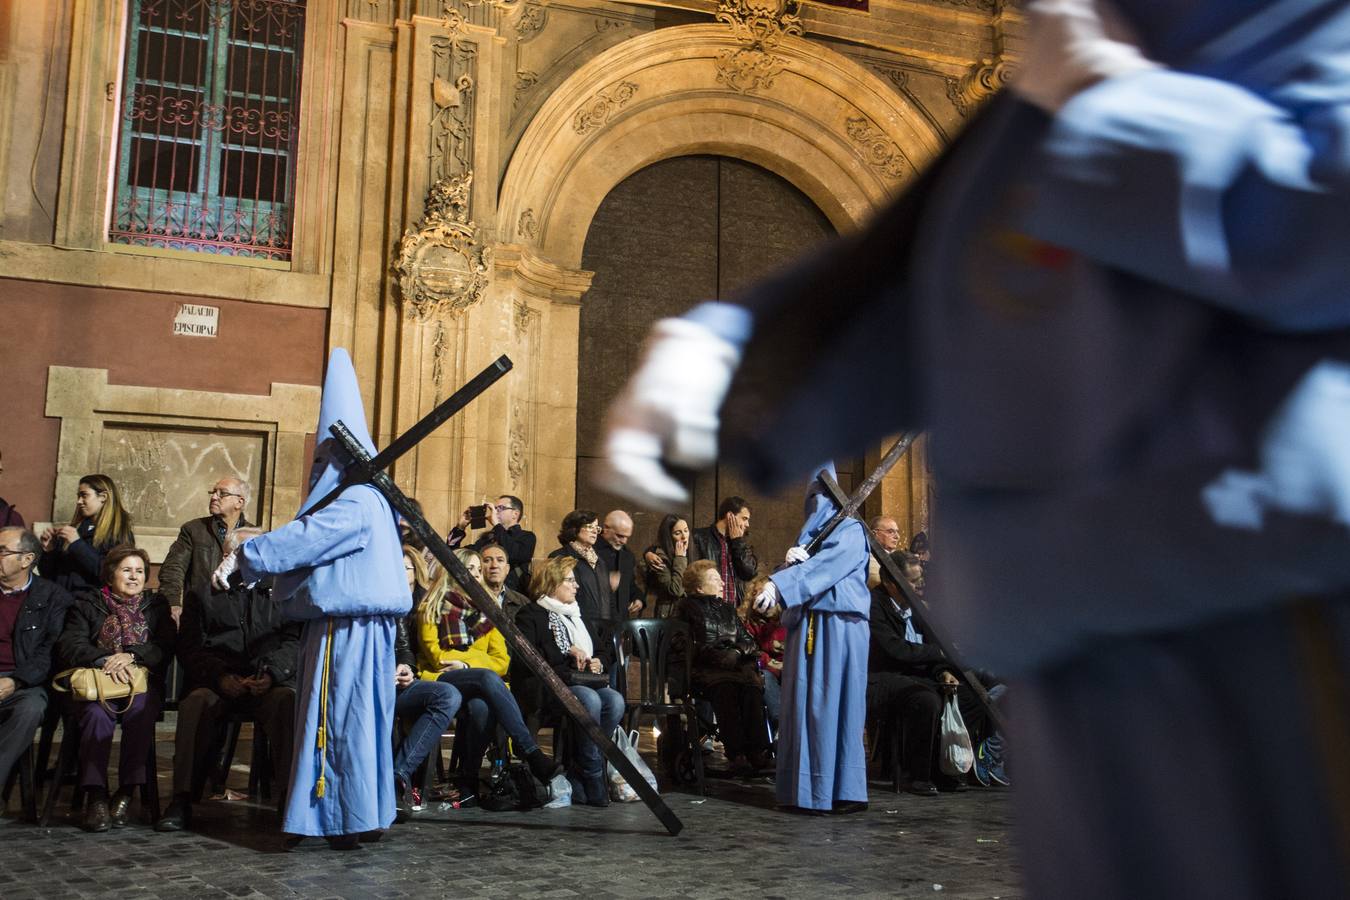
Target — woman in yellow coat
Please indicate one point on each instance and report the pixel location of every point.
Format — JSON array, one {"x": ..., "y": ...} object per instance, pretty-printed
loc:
[{"x": 457, "y": 644}]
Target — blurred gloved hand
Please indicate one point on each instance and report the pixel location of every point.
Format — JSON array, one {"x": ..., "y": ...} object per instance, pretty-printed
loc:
[
  {"x": 796, "y": 555},
  {"x": 667, "y": 415},
  {"x": 1071, "y": 45},
  {"x": 768, "y": 599},
  {"x": 221, "y": 577}
]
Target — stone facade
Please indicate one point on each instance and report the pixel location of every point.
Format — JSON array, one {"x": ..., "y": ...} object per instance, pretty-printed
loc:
[{"x": 452, "y": 156}]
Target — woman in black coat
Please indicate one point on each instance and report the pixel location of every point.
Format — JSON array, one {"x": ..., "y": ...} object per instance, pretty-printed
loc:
[
  {"x": 577, "y": 650},
  {"x": 117, "y": 628},
  {"x": 72, "y": 555},
  {"x": 725, "y": 667},
  {"x": 580, "y": 529}
]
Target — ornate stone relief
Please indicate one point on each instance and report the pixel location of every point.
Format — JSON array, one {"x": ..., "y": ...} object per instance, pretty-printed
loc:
[
  {"x": 880, "y": 151},
  {"x": 983, "y": 80},
  {"x": 524, "y": 81},
  {"x": 760, "y": 26},
  {"x": 442, "y": 265},
  {"x": 528, "y": 226},
  {"x": 533, "y": 18},
  {"x": 522, "y": 317},
  {"x": 598, "y": 110},
  {"x": 439, "y": 344},
  {"x": 452, "y": 93},
  {"x": 517, "y": 453},
  {"x": 603, "y": 25}
]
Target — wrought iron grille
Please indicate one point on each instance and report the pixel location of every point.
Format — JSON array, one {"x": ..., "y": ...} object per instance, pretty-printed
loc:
[{"x": 210, "y": 123}]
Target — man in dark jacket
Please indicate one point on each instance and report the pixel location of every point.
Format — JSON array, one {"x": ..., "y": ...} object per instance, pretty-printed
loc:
[
  {"x": 613, "y": 549},
  {"x": 496, "y": 571},
  {"x": 195, "y": 554},
  {"x": 727, "y": 543},
  {"x": 238, "y": 656},
  {"x": 503, "y": 524},
  {"x": 32, "y": 613},
  {"x": 903, "y": 677}
]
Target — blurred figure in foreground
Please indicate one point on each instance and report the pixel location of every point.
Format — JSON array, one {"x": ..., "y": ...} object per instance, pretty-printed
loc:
[{"x": 1122, "y": 301}]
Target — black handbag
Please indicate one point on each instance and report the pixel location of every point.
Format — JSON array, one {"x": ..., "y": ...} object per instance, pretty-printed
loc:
[{"x": 594, "y": 680}]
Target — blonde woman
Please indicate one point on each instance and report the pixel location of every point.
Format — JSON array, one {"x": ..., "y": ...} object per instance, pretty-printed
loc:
[
  {"x": 458, "y": 646},
  {"x": 73, "y": 554},
  {"x": 575, "y": 649}
]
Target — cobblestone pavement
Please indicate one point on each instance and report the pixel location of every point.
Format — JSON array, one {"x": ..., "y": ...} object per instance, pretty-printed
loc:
[{"x": 734, "y": 845}]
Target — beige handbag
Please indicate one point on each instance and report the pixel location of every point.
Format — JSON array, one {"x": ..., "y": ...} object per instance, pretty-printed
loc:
[{"x": 96, "y": 685}]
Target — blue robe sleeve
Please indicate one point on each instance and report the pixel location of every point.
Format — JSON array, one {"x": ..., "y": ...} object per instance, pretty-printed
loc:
[
  {"x": 339, "y": 529},
  {"x": 1209, "y": 188},
  {"x": 838, "y": 558}
]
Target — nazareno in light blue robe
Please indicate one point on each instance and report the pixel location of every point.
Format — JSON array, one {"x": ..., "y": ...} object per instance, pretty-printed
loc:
[
  {"x": 821, "y": 758},
  {"x": 340, "y": 571}
]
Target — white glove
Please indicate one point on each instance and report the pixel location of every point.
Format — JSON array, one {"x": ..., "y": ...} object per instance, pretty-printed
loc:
[
  {"x": 221, "y": 577},
  {"x": 768, "y": 599},
  {"x": 667, "y": 413},
  {"x": 1071, "y": 45},
  {"x": 796, "y": 555}
]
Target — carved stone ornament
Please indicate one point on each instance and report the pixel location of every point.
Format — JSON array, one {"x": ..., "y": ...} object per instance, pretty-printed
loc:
[
  {"x": 984, "y": 79},
  {"x": 881, "y": 153},
  {"x": 760, "y": 26},
  {"x": 598, "y": 110},
  {"x": 525, "y": 79},
  {"x": 442, "y": 266},
  {"x": 528, "y": 226},
  {"x": 533, "y": 18},
  {"x": 516, "y": 452}
]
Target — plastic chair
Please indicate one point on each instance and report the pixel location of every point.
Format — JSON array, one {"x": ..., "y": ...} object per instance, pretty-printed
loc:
[
  {"x": 650, "y": 643},
  {"x": 260, "y": 763},
  {"x": 23, "y": 775}
]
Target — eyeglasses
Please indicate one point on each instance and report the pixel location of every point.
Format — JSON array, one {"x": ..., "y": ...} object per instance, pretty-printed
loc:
[
  {"x": 5, "y": 551},
  {"x": 505, "y": 507},
  {"x": 888, "y": 530},
  {"x": 594, "y": 526},
  {"x": 217, "y": 492},
  {"x": 570, "y": 579}
]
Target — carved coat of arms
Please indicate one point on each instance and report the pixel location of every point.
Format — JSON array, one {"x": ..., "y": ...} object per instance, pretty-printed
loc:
[{"x": 442, "y": 265}]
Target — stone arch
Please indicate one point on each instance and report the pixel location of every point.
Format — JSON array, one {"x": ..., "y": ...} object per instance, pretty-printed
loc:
[{"x": 826, "y": 124}]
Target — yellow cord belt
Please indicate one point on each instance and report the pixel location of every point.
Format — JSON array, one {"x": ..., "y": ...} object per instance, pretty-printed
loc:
[
  {"x": 810, "y": 634},
  {"x": 322, "y": 740}
]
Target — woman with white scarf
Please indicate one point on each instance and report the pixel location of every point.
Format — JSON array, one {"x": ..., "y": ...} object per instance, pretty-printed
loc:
[{"x": 578, "y": 651}]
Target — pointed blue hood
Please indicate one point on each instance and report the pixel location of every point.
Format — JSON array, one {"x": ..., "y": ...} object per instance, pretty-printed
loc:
[
  {"x": 819, "y": 506},
  {"x": 341, "y": 402}
]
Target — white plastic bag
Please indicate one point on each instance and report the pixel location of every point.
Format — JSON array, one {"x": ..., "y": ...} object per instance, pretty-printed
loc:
[
  {"x": 957, "y": 755},
  {"x": 559, "y": 792},
  {"x": 619, "y": 790}
]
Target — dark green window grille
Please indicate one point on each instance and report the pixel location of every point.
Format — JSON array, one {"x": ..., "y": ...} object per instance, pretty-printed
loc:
[{"x": 210, "y": 123}]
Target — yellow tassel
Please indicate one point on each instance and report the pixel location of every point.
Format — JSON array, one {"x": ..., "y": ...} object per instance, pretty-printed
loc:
[
  {"x": 811, "y": 634},
  {"x": 322, "y": 736}
]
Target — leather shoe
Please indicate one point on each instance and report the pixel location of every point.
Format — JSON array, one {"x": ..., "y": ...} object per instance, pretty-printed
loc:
[
  {"x": 597, "y": 791},
  {"x": 118, "y": 807},
  {"x": 543, "y": 766},
  {"x": 96, "y": 815},
  {"x": 177, "y": 817},
  {"x": 344, "y": 841},
  {"x": 922, "y": 788},
  {"x": 845, "y": 807}
]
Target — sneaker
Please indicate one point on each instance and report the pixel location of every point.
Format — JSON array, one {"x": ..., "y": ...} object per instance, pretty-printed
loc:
[
  {"x": 989, "y": 768},
  {"x": 981, "y": 767}
]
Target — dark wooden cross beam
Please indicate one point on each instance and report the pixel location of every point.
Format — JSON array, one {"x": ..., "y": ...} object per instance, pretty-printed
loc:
[
  {"x": 916, "y": 603},
  {"x": 898, "y": 449},
  {"x": 372, "y": 472}
]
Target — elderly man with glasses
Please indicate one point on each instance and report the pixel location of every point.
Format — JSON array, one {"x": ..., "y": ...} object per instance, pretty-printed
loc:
[
  {"x": 32, "y": 613},
  {"x": 195, "y": 554}
]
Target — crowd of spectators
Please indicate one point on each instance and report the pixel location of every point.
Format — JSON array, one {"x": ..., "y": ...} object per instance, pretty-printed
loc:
[{"x": 78, "y": 597}]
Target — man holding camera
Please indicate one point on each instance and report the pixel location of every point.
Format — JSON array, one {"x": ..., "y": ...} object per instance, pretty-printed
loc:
[{"x": 502, "y": 521}]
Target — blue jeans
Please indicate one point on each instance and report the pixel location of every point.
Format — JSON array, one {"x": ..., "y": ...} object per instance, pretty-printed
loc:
[
  {"x": 605, "y": 706},
  {"x": 495, "y": 704},
  {"x": 429, "y": 705},
  {"x": 773, "y": 689}
]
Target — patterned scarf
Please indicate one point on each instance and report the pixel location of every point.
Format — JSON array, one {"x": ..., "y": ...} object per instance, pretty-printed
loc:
[
  {"x": 125, "y": 625},
  {"x": 728, "y": 575},
  {"x": 461, "y": 624},
  {"x": 587, "y": 553},
  {"x": 564, "y": 623}
]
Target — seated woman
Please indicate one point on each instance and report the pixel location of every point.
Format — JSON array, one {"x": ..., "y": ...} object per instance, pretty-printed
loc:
[
  {"x": 116, "y": 628},
  {"x": 571, "y": 646},
  {"x": 725, "y": 668},
  {"x": 458, "y": 646},
  {"x": 72, "y": 555},
  {"x": 663, "y": 565},
  {"x": 424, "y": 708}
]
